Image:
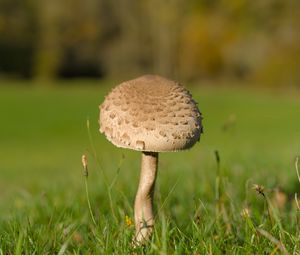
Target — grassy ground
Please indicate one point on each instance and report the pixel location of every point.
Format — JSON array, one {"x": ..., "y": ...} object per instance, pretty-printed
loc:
[{"x": 200, "y": 209}]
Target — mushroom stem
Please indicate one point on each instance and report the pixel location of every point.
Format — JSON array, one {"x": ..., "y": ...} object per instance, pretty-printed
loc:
[{"x": 143, "y": 212}]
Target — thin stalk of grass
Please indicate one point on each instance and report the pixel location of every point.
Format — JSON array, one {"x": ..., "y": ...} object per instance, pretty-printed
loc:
[
  {"x": 217, "y": 185},
  {"x": 88, "y": 200},
  {"x": 18, "y": 250},
  {"x": 296, "y": 195},
  {"x": 267, "y": 204},
  {"x": 94, "y": 152},
  {"x": 296, "y": 166},
  {"x": 298, "y": 175},
  {"x": 297, "y": 203},
  {"x": 105, "y": 179},
  {"x": 250, "y": 224},
  {"x": 226, "y": 219},
  {"x": 275, "y": 219},
  {"x": 220, "y": 197},
  {"x": 261, "y": 191},
  {"x": 164, "y": 234},
  {"x": 274, "y": 250},
  {"x": 218, "y": 178},
  {"x": 86, "y": 174},
  {"x": 166, "y": 199},
  {"x": 118, "y": 172}
]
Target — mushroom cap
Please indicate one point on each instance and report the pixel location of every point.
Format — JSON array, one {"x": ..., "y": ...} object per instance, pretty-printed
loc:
[{"x": 152, "y": 114}]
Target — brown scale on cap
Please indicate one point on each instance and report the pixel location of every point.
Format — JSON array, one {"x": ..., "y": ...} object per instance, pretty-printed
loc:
[{"x": 152, "y": 114}]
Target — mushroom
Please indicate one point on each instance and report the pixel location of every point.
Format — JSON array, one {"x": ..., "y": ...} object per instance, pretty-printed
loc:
[{"x": 150, "y": 114}]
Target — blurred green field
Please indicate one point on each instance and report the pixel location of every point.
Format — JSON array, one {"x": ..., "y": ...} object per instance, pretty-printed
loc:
[{"x": 43, "y": 134}]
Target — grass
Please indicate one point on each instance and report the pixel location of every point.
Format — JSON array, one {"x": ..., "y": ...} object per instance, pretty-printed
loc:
[{"x": 202, "y": 205}]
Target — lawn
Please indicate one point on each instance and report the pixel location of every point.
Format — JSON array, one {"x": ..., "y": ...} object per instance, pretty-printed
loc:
[{"x": 200, "y": 208}]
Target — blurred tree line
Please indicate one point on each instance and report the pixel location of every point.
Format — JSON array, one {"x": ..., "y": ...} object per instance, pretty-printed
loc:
[{"x": 187, "y": 40}]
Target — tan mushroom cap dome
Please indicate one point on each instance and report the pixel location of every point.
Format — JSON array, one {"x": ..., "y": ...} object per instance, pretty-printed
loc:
[{"x": 150, "y": 113}]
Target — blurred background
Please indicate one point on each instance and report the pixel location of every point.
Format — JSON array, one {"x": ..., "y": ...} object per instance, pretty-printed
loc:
[{"x": 240, "y": 40}]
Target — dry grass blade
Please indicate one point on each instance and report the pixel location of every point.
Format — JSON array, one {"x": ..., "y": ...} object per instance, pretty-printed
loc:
[
  {"x": 275, "y": 241},
  {"x": 297, "y": 203},
  {"x": 296, "y": 166}
]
